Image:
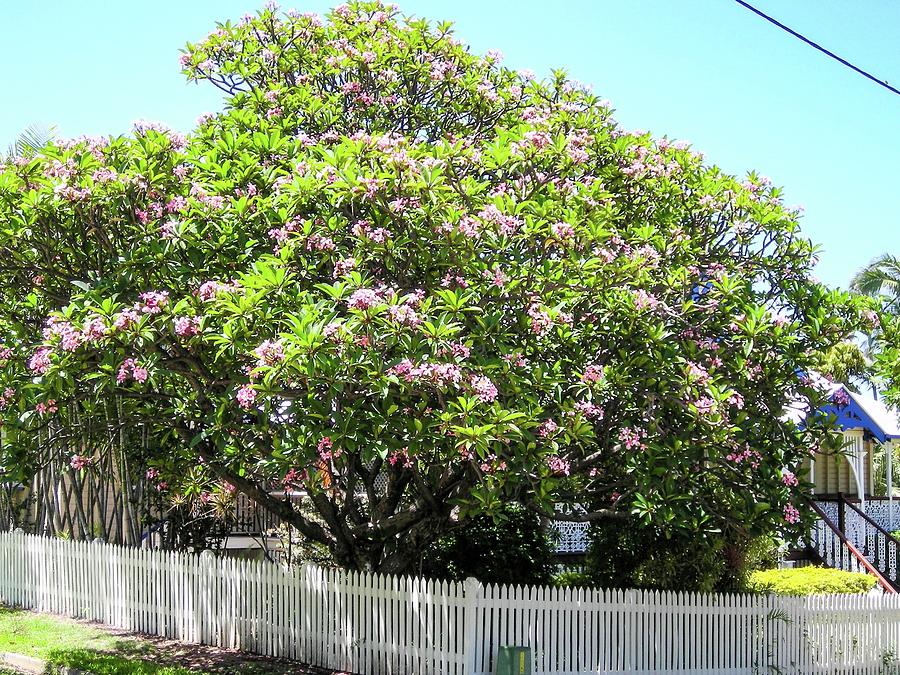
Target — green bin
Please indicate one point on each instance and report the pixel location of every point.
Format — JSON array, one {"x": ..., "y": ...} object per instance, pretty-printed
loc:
[{"x": 513, "y": 661}]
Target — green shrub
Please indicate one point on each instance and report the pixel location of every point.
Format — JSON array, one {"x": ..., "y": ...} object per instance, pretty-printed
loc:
[
  {"x": 638, "y": 556},
  {"x": 512, "y": 549},
  {"x": 643, "y": 557},
  {"x": 743, "y": 557},
  {"x": 810, "y": 581},
  {"x": 572, "y": 579}
]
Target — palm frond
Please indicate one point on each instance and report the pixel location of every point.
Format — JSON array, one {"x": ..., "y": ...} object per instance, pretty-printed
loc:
[
  {"x": 880, "y": 278},
  {"x": 31, "y": 140}
]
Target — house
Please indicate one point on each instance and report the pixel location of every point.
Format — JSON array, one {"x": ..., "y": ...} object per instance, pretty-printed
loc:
[{"x": 870, "y": 432}]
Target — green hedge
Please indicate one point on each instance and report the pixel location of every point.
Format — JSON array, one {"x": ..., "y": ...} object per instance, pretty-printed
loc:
[
  {"x": 810, "y": 581},
  {"x": 511, "y": 549},
  {"x": 572, "y": 579}
]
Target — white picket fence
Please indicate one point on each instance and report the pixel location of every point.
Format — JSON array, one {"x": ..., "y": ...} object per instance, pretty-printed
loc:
[{"x": 376, "y": 624}]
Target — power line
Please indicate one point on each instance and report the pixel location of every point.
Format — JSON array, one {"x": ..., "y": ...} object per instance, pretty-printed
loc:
[{"x": 815, "y": 45}]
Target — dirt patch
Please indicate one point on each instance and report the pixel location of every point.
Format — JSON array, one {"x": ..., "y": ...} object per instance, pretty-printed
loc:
[{"x": 212, "y": 659}]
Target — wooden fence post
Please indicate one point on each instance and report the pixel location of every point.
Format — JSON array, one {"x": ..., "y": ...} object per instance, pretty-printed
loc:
[{"x": 472, "y": 592}]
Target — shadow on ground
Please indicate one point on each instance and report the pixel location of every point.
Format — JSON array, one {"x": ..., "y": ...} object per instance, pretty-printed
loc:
[
  {"x": 93, "y": 647},
  {"x": 155, "y": 656}
]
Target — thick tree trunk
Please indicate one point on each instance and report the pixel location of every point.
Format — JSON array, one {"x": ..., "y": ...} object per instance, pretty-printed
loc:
[
  {"x": 386, "y": 538},
  {"x": 399, "y": 554},
  {"x": 405, "y": 555}
]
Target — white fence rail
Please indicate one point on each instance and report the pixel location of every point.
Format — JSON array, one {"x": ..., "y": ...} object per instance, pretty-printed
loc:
[{"x": 376, "y": 624}]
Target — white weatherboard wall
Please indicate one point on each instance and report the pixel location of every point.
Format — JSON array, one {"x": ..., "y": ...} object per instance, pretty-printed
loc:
[{"x": 376, "y": 624}]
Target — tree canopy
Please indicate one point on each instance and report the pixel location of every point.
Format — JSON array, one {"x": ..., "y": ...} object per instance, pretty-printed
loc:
[{"x": 409, "y": 283}]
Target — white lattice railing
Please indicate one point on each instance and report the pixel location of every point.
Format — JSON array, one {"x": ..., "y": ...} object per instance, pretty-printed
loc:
[
  {"x": 880, "y": 510},
  {"x": 574, "y": 538},
  {"x": 832, "y": 551},
  {"x": 829, "y": 508},
  {"x": 868, "y": 528},
  {"x": 571, "y": 538}
]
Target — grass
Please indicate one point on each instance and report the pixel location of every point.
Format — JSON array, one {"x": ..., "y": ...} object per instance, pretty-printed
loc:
[
  {"x": 62, "y": 642},
  {"x": 40, "y": 635},
  {"x": 67, "y": 643},
  {"x": 101, "y": 663}
]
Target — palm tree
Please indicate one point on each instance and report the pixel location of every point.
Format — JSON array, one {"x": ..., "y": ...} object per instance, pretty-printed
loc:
[
  {"x": 880, "y": 279},
  {"x": 31, "y": 140}
]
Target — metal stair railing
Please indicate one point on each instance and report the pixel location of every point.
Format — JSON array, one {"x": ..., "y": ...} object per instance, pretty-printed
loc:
[
  {"x": 835, "y": 550},
  {"x": 878, "y": 545}
]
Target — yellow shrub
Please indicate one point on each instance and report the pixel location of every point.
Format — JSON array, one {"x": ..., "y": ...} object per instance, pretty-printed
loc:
[{"x": 810, "y": 581}]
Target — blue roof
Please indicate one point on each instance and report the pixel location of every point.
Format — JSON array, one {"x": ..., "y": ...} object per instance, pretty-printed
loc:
[{"x": 863, "y": 412}]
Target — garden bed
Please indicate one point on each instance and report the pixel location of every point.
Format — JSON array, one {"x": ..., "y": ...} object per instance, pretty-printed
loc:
[{"x": 107, "y": 651}]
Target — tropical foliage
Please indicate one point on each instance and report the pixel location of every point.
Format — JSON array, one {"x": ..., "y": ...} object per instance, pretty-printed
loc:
[
  {"x": 512, "y": 548},
  {"x": 412, "y": 284},
  {"x": 880, "y": 279},
  {"x": 846, "y": 363},
  {"x": 30, "y": 141},
  {"x": 810, "y": 580}
]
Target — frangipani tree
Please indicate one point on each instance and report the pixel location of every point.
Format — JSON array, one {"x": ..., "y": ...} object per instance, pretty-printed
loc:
[{"x": 410, "y": 283}]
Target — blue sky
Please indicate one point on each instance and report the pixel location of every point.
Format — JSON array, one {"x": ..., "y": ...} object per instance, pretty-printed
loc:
[{"x": 708, "y": 71}]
